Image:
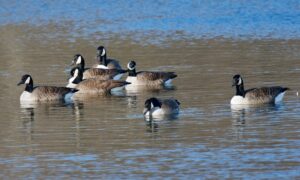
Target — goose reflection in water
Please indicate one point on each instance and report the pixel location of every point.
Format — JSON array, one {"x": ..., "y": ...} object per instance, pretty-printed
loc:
[
  {"x": 139, "y": 89},
  {"x": 153, "y": 123},
  {"x": 243, "y": 111}
]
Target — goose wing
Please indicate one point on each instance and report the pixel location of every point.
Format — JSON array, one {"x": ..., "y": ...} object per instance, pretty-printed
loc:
[
  {"x": 264, "y": 94},
  {"x": 170, "y": 105},
  {"x": 113, "y": 64},
  {"x": 99, "y": 84},
  {"x": 51, "y": 92},
  {"x": 104, "y": 74},
  {"x": 110, "y": 84},
  {"x": 153, "y": 76}
]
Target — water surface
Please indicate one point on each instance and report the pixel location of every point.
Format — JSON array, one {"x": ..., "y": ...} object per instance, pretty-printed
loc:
[{"x": 107, "y": 137}]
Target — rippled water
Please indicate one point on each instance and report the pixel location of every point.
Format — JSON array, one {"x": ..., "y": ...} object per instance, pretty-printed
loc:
[{"x": 107, "y": 137}]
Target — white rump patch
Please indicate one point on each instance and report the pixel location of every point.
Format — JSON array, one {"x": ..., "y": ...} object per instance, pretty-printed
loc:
[
  {"x": 68, "y": 96},
  {"x": 27, "y": 80},
  {"x": 118, "y": 76},
  {"x": 279, "y": 97},
  {"x": 168, "y": 82}
]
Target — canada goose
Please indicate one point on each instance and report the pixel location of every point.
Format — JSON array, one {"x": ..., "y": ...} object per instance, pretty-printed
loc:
[
  {"x": 263, "y": 95},
  {"x": 156, "y": 108},
  {"x": 103, "y": 74},
  {"x": 94, "y": 85},
  {"x": 148, "y": 78},
  {"x": 43, "y": 93},
  {"x": 104, "y": 62}
]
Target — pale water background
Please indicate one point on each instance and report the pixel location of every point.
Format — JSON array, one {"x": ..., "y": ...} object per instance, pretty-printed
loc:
[{"x": 204, "y": 42}]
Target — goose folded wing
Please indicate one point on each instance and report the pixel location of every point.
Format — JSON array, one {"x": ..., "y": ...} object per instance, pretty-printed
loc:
[
  {"x": 50, "y": 92},
  {"x": 156, "y": 75},
  {"x": 95, "y": 72},
  {"x": 266, "y": 92}
]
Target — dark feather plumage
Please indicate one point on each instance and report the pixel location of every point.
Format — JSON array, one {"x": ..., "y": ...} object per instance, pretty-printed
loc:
[{"x": 264, "y": 94}]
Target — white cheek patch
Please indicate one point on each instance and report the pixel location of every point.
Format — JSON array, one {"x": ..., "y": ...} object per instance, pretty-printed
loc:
[
  {"x": 27, "y": 80},
  {"x": 152, "y": 106},
  {"x": 130, "y": 68},
  {"x": 75, "y": 73},
  {"x": 78, "y": 60},
  {"x": 103, "y": 52},
  {"x": 240, "y": 81}
]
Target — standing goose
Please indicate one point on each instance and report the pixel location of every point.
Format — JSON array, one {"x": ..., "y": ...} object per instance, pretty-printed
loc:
[
  {"x": 103, "y": 62},
  {"x": 94, "y": 85},
  {"x": 263, "y": 95},
  {"x": 43, "y": 93},
  {"x": 103, "y": 74},
  {"x": 156, "y": 108},
  {"x": 148, "y": 78}
]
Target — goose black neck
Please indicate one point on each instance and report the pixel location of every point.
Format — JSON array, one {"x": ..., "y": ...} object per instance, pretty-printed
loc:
[
  {"x": 132, "y": 73},
  {"x": 240, "y": 90},
  {"x": 29, "y": 87},
  {"x": 81, "y": 65},
  {"x": 102, "y": 60},
  {"x": 77, "y": 80}
]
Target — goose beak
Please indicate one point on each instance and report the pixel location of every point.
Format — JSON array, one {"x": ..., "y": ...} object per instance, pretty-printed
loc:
[
  {"x": 145, "y": 111},
  {"x": 72, "y": 63},
  {"x": 19, "y": 83},
  {"x": 234, "y": 83}
]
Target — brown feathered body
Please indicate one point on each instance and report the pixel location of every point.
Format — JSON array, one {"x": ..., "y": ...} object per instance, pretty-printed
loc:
[
  {"x": 170, "y": 106},
  {"x": 263, "y": 95},
  {"x": 103, "y": 74},
  {"x": 155, "y": 107},
  {"x": 151, "y": 78},
  {"x": 98, "y": 86},
  {"x": 45, "y": 93}
]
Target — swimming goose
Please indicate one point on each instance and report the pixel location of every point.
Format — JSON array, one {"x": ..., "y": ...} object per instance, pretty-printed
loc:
[
  {"x": 148, "y": 78},
  {"x": 263, "y": 95},
  {"x": 103, "y": 74},
  {"x": 155, "y": 107},
  {"x": 104, "y": 62},
  {"x": 94, "y": 85},
  {"x": 43, "y": 93}
]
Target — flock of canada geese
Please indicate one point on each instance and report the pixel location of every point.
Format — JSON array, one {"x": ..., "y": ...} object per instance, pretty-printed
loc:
[{"x": 104, "y": 78}]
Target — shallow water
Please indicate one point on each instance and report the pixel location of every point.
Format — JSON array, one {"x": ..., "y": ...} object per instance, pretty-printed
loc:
[{"x": 107, "y": 137}]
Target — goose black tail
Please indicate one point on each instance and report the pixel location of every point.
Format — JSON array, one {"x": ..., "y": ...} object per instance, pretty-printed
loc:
[
  {"x": 285, "y": 89},
  {"x": 73, "y": 90},
  {"x": 172, "y": 75}
]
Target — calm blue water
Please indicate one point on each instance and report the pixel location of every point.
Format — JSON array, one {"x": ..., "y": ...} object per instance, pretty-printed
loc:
[{"x": 180, "y": 18}]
